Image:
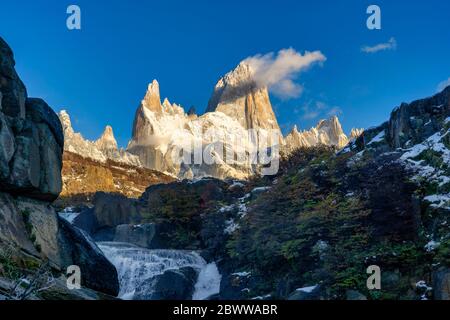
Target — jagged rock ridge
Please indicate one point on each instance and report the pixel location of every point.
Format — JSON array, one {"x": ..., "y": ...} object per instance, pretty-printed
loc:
[
  {"x": 327, "y": 132},
  {"x": 100, "y": 150}
]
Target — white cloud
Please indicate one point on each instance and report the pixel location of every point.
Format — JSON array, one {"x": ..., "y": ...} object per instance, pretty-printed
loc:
[
  {"x": 278, "y": 72},
  {"x": 334, "y": 111},
  {"x": 390, "y": 45},
  {"x": 444, "y": 84},
  {"x": 313, "y": 110}
]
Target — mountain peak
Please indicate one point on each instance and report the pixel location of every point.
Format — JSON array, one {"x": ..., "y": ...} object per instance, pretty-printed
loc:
[
  {"x": 107, "y": 140},
  {"x": 327, "y": 132},
  {"x": 237, "y": 95},
  {"x": 65, "y": 121},
  {"x": 152, "y": 99},
  {"x": 294, "y": 130}
]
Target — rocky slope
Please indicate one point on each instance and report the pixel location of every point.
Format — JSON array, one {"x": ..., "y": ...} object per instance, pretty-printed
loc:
[
  {"x": 382, "y": 200},
  {"x": 34, "y": 243},
  {"x": 83, "y": 177}
]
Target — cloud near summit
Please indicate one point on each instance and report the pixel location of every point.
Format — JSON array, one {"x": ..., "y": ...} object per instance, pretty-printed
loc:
[{"x": 279, "y": 71}]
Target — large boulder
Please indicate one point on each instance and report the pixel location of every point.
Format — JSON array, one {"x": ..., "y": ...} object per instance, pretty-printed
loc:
[
  {"x": 38, "y": 111},
  {"x": 148, "y": 235},
  {"x": 86, "y": 221},
  {"x": 96, "y": 271},
  {"x": 171, "y": 285},
  {"x": 112, "y": 210}
]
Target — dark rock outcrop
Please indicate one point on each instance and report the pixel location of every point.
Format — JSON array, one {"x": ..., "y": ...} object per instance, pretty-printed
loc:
[
  {"x": 171, "y": 285},
  {"x": 30, "y": 138},
  {"x": 85, "y": 253},
  {"x": 111, "y": 210},
  {"x": 409, "y": 124},
  {"x": 150, "y": 235},
  {"x": 11, "y": 87},
  {"x": 31, "y": 147}
]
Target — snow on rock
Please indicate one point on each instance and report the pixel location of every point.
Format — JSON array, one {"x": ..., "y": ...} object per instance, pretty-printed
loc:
[
  {"x": 439, "y": 200},
  {"x": 260, "y": 190},
  {"x": 230, "y": 226},
  {"x": 307, "y": 289},
  {"x": 101, "y": 150},
  {"x": 424, "y": 170},
  {"x": 432, "y": 245},
  {"x": 242, "y": 274},
  {"x": 378, "y": 138}
]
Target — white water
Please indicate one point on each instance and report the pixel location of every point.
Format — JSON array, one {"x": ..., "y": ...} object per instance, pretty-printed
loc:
[
  {"x": 135, "y": 265},
  {"x": 208, "y": 282}
]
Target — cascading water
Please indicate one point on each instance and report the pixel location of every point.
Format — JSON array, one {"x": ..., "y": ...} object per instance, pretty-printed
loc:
[{"x": 135, "y": 266}]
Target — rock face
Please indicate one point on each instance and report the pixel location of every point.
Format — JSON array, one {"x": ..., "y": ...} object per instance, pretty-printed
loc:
[
  {"x": 327, "y": 132},
  {"x": 90, "y": 259},
  {"x": 441, "y": 284},
  {"x": 13, "y": 90},
  {"x": 31, "y": 147},
  {"x": 237, "y": 95},
  {"x": 30, "y": 138}
]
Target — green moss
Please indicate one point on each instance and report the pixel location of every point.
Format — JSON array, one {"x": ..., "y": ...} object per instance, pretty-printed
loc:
[{"x": 10, "y": 269}]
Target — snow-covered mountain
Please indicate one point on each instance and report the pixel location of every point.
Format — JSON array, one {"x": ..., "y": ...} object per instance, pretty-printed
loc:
[
  {"x": 239, "y": 117},
  {"x": 100, "y": 150},
  {"x": 162, "y": 132},
  {"x": 228, "y": 141},
  {"x": 327, "y": 132}
]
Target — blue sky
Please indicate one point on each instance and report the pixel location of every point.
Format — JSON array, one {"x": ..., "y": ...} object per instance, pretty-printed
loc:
[{"x": 100, "y": 73}]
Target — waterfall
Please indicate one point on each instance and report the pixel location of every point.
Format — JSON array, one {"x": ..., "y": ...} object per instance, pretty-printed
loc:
[{"x": 136, "y": 265}]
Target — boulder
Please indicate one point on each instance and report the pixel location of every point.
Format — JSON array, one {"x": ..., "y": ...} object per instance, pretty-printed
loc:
[
  {"x": 149, "y": 235},
  {"x": 354, "y": 295},
  {"x": 38, "y": 111},
  {"x": 307, "y": 293},
  {"x": 171, "y": 285},
  {"x": 112, "y": 210},
  {"x": 96, "y": 271},
  {"x": 86, "y": 221}
]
